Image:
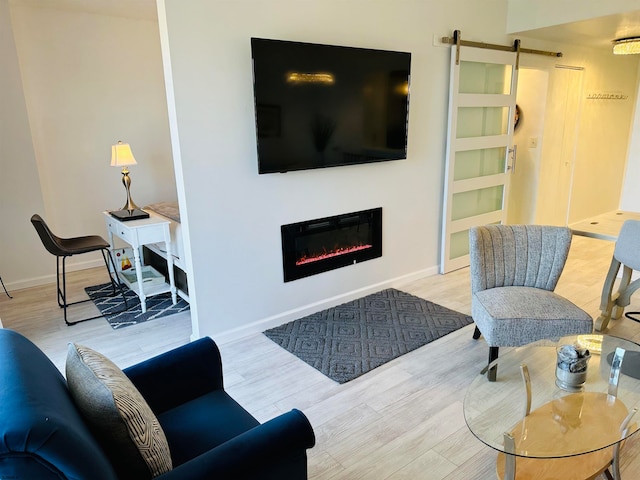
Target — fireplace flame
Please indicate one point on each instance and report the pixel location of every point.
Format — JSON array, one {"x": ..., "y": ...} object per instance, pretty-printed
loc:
[{"x": 333, "y": 253}]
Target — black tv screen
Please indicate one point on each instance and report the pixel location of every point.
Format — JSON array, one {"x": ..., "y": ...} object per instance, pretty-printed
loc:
[{"x": 323, "y": 106}]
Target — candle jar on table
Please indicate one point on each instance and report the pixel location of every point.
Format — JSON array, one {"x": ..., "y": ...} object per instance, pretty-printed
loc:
[{"x": 571, "y": 366}]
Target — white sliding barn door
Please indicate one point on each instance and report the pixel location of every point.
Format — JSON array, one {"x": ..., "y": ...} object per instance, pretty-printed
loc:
[{"x": 482, "y": 99}]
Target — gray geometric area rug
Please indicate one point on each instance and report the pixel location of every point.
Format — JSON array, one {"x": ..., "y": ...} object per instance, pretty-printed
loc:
[
  {"x": 111, "y": 307},
  {"x": 351, "y": 339}
]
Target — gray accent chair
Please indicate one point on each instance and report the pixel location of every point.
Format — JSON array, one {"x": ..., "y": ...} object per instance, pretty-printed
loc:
[
  {"x": 627, "y": 255},
  {"x": 514, "y": 272}
]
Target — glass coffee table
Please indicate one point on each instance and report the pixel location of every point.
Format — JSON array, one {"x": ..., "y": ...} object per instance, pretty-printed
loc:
[{"x": 540, "y": 428}]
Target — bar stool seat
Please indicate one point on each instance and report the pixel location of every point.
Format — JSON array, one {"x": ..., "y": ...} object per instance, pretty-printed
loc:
[
  {"x": 78, "y": 245},
  {"x": 62, "y": 248}
]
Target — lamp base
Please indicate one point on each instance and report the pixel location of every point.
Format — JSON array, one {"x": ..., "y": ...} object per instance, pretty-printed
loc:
[
  {"x": 126, "y": 181},
  {"x": 126, "y": 214}
]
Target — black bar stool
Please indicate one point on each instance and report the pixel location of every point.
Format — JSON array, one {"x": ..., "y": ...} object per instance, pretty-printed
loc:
[{"x": 67, "y": 247}]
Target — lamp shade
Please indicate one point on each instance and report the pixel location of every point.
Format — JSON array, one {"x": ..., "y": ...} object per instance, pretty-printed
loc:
[
  {"x": 121, "y": 155},
  {"x": 626, "y": 46}
]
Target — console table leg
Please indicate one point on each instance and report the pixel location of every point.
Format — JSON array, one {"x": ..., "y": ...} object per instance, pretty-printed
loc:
[
  {"x": 172, "y": 282},
  {"x": 138, "y": 264}
]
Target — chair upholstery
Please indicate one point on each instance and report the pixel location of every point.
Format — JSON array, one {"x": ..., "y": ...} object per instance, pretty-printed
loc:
[
  {"x": 43, "y": 435},
  {"x": 62, "y": 248},
  {"x": 514, "y": 272},
  {"x": 627, "y": 255}
]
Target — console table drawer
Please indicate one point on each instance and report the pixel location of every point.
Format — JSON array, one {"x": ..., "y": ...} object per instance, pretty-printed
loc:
[
  {"x": 148, "y": 235},
  {"x": 119, "y": 230}
]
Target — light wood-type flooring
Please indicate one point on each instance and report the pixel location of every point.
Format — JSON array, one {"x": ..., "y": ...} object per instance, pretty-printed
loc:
[{"x": 403, "y": 420}]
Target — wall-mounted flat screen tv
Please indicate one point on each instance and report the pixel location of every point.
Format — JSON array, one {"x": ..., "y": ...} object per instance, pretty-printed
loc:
[{"x": 323, "y": 106}]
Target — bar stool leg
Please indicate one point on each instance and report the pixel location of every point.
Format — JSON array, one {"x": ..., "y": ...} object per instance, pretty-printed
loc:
[
  {"x": 62, "y": 292},
  {"x": 5, "y": 288}
]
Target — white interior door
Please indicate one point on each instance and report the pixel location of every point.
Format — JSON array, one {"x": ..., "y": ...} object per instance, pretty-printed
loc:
[
  {"x": 528, "y": 137},
  {"x": 560, "y": 143},
  {"x": 482, "y": 99}
]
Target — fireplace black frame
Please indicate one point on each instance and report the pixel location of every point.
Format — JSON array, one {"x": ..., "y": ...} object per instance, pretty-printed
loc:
[{"x": 291, "y": 232}]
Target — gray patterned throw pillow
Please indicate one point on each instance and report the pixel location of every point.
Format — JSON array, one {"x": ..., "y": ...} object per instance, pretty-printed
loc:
[{"x": 118, "y": 415}]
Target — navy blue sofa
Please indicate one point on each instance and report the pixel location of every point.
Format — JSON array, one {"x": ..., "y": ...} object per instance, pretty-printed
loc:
[{"x": 43, "y": 436}]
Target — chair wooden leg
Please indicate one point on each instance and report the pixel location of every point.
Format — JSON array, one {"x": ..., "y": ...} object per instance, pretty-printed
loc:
[
  {"x": 493, "y": 371},
  {"x": 476, "y": 333},
  {"x": 607, "y": 301}
]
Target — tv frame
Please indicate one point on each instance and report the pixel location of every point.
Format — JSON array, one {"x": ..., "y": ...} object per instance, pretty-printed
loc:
[{"x": 268, "y": 116}]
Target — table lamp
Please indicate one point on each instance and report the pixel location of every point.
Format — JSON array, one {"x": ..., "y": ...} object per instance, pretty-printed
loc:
[{"x": 121, "y": 156}]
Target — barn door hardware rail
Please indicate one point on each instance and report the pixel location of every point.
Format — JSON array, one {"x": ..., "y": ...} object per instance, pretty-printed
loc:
[{"x": 458, "y": 42}]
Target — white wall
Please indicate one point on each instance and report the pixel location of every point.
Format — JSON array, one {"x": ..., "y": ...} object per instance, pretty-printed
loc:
[
  {"x": 89, "y": 80},
  {"x": 21, "y": 253},
  {"x": 604, "y": 134},
  {"x": 599, "y": 181},
  {"x": 604, "y": 179},
  {"x": 235, "y": 214},
  {"x": 602, "y": 129},
  {"x": 631, "y": 193}
]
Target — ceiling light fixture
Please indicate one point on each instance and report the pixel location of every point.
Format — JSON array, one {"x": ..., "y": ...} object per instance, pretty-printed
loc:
[{"x": 626, "y": 46}]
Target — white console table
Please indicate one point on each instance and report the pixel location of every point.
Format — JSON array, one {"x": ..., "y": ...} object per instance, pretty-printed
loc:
[{"x": 138, "y": 233}]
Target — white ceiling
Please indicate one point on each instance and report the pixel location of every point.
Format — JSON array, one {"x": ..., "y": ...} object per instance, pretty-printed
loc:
[
  {"x": 595, "y": 32},
  {"x": 140, "y": 9}
]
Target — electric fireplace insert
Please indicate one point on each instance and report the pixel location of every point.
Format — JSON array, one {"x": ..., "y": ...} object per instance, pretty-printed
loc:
[{"x": 320, "y": 245}]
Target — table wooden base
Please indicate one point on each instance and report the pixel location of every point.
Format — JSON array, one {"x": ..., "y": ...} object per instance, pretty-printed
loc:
[
  {"x": 581, "y": 467},
  {"x": 570, "y": 420}
]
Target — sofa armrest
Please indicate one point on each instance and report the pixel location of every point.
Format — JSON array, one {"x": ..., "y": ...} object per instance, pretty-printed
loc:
[
  {"x": 42, "y": 433},
  {"x": 179, "y": 375},
  {"x": 273, "y": 450}
]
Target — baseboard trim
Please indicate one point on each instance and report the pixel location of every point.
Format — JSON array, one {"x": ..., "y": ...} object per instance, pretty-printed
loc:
[
  {"x": 51, "y": 278},
  {"x": 290, "y": 315}
]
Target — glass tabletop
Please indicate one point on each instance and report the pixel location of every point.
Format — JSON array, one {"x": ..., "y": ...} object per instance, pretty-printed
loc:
[{"x": 559, "y": 423}]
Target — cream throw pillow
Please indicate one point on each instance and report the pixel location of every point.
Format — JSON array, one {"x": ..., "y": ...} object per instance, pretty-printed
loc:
[{"x": 118, "y": 415}]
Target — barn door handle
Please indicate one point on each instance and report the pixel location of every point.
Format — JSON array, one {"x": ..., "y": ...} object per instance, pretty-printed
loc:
[{"x": 514, "y": 154}]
